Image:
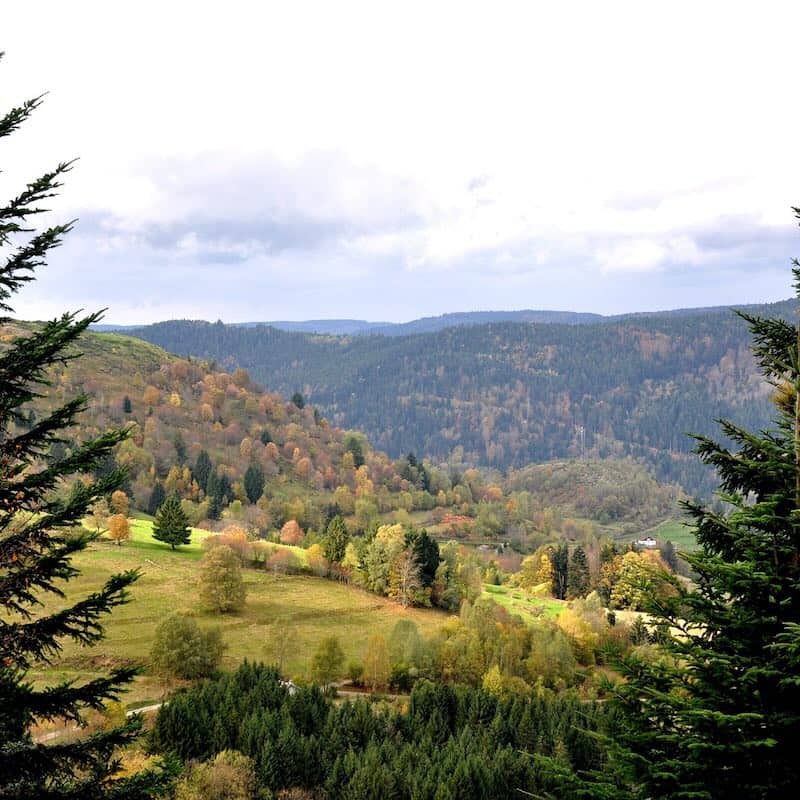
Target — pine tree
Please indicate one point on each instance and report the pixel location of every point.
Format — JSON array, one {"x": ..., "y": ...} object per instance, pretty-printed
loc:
[
  {"x": 426, "y": 550},
  {"x": 336, "y": 540},
  {"x": 36, "y": 549},
  {"x": 157, "y": 498},
  {"x": 559, "y": 557},
  {"x": 719, "y": 715},
  {"x": 171, "y": 524},
  {"x": 127, "y": 406},
  {"x": 202, "y": 470},
  {"x": 180, "y": 448},
  {"x": 578, "y": 577},
  {"x": 254, "y": 483}
]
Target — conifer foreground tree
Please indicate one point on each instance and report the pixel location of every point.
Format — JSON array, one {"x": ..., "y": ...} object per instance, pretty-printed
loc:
[
  {"x": 171, "y": 524},
  {"x": 717, "y": 715},
  {"x": 36, "y": 542}
]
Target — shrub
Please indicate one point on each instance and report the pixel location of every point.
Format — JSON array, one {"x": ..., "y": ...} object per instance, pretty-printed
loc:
[{"x": 228, "y": 776}]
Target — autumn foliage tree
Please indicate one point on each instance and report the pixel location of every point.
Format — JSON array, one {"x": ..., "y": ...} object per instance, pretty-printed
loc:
[
  {"x": 291, "y": 533},
  {"x": 221, "y": 584},
  {"x": 118, "y": 528}
]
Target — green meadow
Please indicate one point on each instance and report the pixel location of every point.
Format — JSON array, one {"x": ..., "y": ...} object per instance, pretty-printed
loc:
[
  {"x": 285, "y": 616},
  {"x": 518, "y": 601}
]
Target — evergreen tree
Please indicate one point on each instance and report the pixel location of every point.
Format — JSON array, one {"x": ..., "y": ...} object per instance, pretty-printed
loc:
[
  {"x": 214, "y": 507},
  {"x": 353, "y": 445},
  {"x": 336, "y": 540},
  {"x": 669, "y": 555},
  {"x": 180, "y": 448},
  {"x": 171, "y": 524},
  {"x": 157, "y": 498},
  {"x": 35, "y": 547},
  {"x": 559, "y": 558},
  {"x": 298, "y": 400},
  {"x": 718, "y": 716},
  {"x": 202, "y": 470},
  {"x": 578, "y": 578},
  {"x": 223, "y": 489},
  {"x": 254, "y": 483},
  {"x": 426, "y": 551},
  {"x": 127, "y": 406}
]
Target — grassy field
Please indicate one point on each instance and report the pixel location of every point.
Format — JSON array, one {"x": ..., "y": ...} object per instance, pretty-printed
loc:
[
  {"x": 517, "y": 601},
  {"x": 673, "y": 530},
  {"x": 312, "y": 608}
]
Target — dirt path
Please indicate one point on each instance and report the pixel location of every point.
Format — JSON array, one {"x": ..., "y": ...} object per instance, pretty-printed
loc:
[{"x": 49, "y": 737}]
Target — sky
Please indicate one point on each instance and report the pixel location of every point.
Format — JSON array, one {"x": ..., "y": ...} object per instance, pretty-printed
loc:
[{"x": 388, "y": 161}]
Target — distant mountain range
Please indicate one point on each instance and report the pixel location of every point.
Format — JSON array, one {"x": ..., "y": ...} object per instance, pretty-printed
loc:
[
  {"x": 470, "y": 389},
  {"x": 362, "y": 327}
]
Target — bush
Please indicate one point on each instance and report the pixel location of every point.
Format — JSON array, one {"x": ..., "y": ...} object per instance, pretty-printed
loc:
[
  {"x": 355, "y": 672},
  {"x": 228, "y": 776},
  {"x": 182, "y": 650},
  {"x": 234, "y": 537}
]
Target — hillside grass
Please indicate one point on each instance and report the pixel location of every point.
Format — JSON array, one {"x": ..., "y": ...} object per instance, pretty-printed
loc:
[
  {"x": 673, "y": 530},
  {"x": 313, "y": 608},
  {"x": 518, "y": 601},
  {"x": 677, "y": 532}
]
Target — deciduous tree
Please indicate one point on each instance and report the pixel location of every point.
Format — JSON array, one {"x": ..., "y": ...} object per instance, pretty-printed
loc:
[
  {"x": 327, "y": 662},
  {"x": 180, "y": 649},
  {"x": 118, "y": 528},
  {"x": 291, "y": 533},
  {"x": 119, "y": 502},
  {"x": 404, "y": 577},
  {"x": 221, "y": 584}
]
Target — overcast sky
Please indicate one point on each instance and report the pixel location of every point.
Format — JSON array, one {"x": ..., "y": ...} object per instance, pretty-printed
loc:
[{"x": 386, "y": 161}]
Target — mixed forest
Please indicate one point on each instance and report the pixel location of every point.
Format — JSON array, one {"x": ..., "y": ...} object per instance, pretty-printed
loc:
[{"x": 510, "y": 394}]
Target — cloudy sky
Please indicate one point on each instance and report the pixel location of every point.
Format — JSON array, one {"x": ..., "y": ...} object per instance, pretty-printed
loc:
[{"x": 386, "y": 161}]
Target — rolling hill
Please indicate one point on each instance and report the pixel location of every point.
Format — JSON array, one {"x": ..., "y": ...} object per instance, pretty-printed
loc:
[{"x": 506, "y": 394}]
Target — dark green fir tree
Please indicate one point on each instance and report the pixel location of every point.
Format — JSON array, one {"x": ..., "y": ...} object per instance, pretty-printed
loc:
[
  {"x": 578, "y": 576},
  {"x": 171, "y": 524},
  {"x": 717, "y": 713},
  {"x": 254, "y": 483},
  {"x": 38, "y": 539},
  {"x": 202, "y": 470},
  {"x": 336, "y": 540},
  {"x": 559, "y": 558},
  {"x": 157, "y": 498}
]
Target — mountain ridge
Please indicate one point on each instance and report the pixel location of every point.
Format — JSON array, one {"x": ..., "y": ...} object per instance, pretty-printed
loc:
[{"x": 360, "y": 327}]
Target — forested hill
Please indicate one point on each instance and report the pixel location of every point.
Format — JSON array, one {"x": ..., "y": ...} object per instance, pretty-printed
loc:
[{"x": 507, "y": 394}]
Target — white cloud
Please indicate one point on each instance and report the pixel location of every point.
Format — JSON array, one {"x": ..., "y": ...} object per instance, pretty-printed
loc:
[{"x": 472, "y": 141}]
